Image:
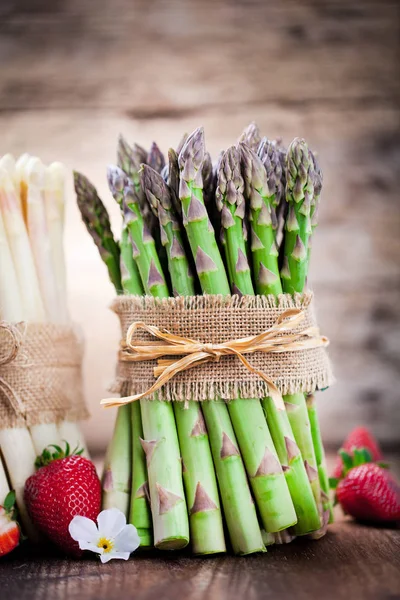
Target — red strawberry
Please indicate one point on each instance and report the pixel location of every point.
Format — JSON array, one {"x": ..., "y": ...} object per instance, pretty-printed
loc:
[
  {"x": 64, "y": 487},
  {"x": 360, "y": 437},
  {"x": 9, "y": 530},
  {"x": 369, "y": 492}
]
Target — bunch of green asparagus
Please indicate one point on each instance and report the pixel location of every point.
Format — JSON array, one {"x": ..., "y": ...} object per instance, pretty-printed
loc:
[{"x": 213, "y": 473}]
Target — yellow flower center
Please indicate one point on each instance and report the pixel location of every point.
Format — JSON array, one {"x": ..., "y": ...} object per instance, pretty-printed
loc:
[{"x": 106, "y": 544}]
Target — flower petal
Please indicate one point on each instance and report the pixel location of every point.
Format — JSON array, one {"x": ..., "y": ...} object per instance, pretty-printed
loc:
[
  {"x": 110, "y": 555},
  {"x": 91, "y": 547},
  {"x": 111, "y": 522},
  {"x": 127, "y": 540},
  {"x": 82, "y": 528}
]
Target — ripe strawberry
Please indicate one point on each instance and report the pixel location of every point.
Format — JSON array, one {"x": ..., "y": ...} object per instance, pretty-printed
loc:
[
  {"x": 65, "y": 486},
  {"x": 370, "y": 493},
  {"x": 9, "y": 530},
  {"x": 359, "y": 438}
]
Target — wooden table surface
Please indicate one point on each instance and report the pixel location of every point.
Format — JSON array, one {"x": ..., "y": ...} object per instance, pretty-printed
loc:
[{"x": 352, "y": 562}]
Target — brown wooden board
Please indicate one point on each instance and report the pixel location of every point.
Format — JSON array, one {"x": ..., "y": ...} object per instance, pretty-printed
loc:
[{"x": 353, "y": 562}]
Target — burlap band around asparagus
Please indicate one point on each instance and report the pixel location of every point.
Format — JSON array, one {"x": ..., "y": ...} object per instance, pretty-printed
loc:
[
  {"x": 40, "y": 374},
  {"x": 213, "y": 320}
]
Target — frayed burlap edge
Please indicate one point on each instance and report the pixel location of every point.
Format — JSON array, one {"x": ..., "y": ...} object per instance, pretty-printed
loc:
[
  {"x": 214, "y": 319},
  {"x": 43, "y": 383}
]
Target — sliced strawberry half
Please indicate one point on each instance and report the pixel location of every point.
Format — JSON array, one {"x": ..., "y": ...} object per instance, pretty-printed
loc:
[{"x": 9, "y": 529}]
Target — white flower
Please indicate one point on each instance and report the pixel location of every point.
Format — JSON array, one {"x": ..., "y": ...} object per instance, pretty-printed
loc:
[{"x": 113, "y": 538}]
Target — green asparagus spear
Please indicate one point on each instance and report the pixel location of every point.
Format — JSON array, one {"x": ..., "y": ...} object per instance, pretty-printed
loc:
[
  {"x": 251, "y": 136},
  {"x": 156, "y": 158},
  {"x": 238, "y": 507},
  {"x": 207, "y": 535},
  {"x": 117, "y": 469},
  {"x": 139, "y": 512},
  {"x": 260, "y": 188},
  {"x": 161, "y": 447},
  {"x": 257, "y": 448},
  {"x": 320, "y": 456},
  {"x": 96, "y": 219},
  {"x": 300, "y": 177}
]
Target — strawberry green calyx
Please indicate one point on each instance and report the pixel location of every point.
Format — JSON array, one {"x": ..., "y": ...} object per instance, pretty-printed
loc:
[
  {"x": 9, "y": 505},
  {"x": 359, "y": 456},
  {"x": 59, "y": 453}
]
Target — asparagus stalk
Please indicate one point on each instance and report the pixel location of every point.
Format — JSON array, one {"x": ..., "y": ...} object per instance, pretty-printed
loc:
[
  {"x": 16, "y": 443},
  {"x": 129, "y": 160},
  {"x": 116, "y": 478},
  {"x": 311, "y": 404},
  {"x": 54, "y": 207},
  {"x": 260, "y": 188},
  {"x": 238, "y": 507},
  {"x": 161, "y": 447},
  {"x": 20, "y": 248},
  {"x": 139, "y": 511},
  {"x": 319, "y": 455},
  {"x": 251, "y": 136},
  {"x": 156, "y": 158},
  {"x": 116, "y": 481},
  {"x": 300, "y": 176},
  {"x": 140, "y": 514},
  {"x": 97, "y": 222},
  {"x": 205, "y": 519},
  {"x": 258, "y": 451},
  {"x": 32, "y": 179}
]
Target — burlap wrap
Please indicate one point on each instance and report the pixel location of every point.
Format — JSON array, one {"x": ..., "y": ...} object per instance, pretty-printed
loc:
[
  {"x": 216, "y": 319},
  {"x": 43, "y": 381}
]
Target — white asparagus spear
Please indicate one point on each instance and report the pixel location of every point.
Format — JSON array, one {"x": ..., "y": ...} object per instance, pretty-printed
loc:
[
  {"x": 36, "y": 223},
  {"x": 16, "y": 444},
  {"x": 71, "y": 433},
  {"x": 19, "y": 183},
  {"x": 18, "y": 240},
  {"x": 10, "y": 297},
  {"x": 7, "y": 162},
  {"x": 54, "y": 201},
  {"x": 19, "y": 456},
  {"x": 54, "y": 197},
  {"x": 4, "y": 487}
]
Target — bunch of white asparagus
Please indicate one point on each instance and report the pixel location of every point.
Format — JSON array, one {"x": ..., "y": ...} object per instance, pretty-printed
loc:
[{"x": 32, "y": 289}]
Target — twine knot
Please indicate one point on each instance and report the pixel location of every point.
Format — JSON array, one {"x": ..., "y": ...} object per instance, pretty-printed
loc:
[
  {"x": 194, "y": 352},
  {"x": 16, "y": 341}
]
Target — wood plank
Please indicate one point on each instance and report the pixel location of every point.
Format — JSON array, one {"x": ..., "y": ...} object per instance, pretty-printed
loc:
[
  {"x": 352, "y": 561},
  {"x": 177, "y": 58}
]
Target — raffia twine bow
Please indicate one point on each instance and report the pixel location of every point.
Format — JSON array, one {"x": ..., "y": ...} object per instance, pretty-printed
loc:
[
  {"x": 196, "y": 353},
  {"x": 15, "y": 346}
]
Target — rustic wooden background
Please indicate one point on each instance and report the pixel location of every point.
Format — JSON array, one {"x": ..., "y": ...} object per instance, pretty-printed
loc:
[{"x": 74, "y": 74}]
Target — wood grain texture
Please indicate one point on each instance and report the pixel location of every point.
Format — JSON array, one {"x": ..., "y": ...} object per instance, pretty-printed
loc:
[
  {"x": 352, "y": 561},
  {"x": 74, "y": 77}
]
